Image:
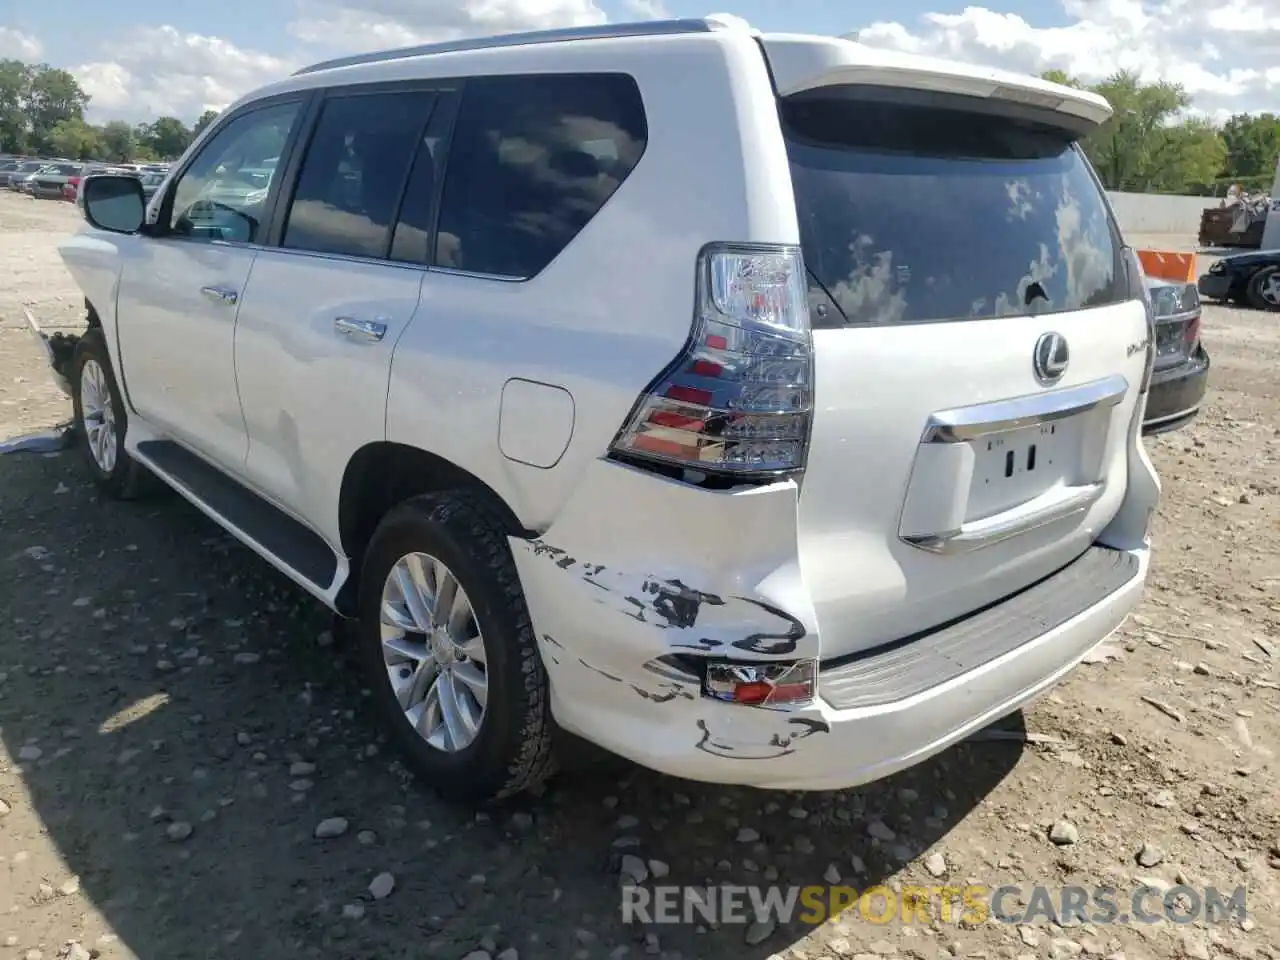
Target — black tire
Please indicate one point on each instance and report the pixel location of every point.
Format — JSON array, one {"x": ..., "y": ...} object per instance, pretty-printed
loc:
[
  {"x": 1256, "y": 283},
  {"x": 127, "y": 479},
  {"x": 513, "y": 749}
]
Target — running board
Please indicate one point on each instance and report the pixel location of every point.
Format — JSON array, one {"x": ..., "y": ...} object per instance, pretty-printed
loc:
[{"x": 296, "y": 546}]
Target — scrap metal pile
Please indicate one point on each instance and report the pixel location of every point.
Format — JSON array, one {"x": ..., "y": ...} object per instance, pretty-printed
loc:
[{"x": 1237, "y": 222}]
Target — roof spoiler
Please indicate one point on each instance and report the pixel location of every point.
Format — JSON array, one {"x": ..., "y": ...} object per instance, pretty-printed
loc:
[{"x": 803, "y": 63}]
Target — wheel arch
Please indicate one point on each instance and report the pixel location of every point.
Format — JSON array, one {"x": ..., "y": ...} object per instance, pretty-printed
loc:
[{"x": 383, "y": 474}]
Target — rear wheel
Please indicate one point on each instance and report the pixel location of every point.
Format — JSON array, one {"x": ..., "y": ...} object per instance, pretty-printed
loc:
[
  {"x": 446, "y": 640},
  {"x": 101, "y": 419},
  {"x": 1264, "y": 289}
]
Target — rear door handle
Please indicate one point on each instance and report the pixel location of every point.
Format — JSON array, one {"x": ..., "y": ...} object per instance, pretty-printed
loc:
[
  {"x": 357, "y": 329},
  {"x": 221, "y": 294}
]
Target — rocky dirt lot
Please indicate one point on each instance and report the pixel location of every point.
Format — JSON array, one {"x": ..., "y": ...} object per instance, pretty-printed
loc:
[{"x": 176, "y": 722}]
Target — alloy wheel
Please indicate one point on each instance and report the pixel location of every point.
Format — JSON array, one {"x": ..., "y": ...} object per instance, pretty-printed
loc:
[
  {"x": 98, "y": 415},
  {"x": 1270, "y": 289},
  {"x": 434, "y": 652}
]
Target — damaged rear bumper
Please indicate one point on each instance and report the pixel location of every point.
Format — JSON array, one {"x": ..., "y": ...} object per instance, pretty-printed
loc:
[
  {"x": 58, "y": 350},
  {"x": 626, "y": 594}
]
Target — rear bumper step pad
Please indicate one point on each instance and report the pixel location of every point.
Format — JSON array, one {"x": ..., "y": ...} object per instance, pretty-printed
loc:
[{"x": 905, "y": 668}]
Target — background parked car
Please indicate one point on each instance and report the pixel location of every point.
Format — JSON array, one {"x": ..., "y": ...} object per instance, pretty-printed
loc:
[
  {"x": 13, "y": 180},
  {"x": 71, "y": 189},
  {"x": 48, "y": 182},
  {"x": 1245, "y": 278},
  {"x": 151, "y": 183},
  {"x": 1181, "y": 373}
]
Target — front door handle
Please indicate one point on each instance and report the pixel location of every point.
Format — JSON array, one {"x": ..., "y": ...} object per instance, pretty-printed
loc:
[
  {"x": 221, "y": 294},
  {"x": 357, "y": 329}
]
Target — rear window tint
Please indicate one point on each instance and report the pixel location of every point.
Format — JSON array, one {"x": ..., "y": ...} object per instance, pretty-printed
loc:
[
  {"x": 533, "y": 159},
  {"x": 912, "y": 214}
]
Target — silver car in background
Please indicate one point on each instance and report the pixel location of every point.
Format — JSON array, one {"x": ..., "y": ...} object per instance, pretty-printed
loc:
[
  {"x": 15, "y": 178},
  {"x": 48, "y": 181}
]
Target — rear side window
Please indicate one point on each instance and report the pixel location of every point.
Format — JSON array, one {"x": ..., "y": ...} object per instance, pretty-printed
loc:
[
  {"x": 532, "y": 160},
  {"x": 412, "y": 240},
  {"x": 354, "y": 171},
  {"x": 911, "y": 214}
]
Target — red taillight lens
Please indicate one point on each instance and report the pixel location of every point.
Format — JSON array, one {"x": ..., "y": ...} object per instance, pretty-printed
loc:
[
  {"x": 739, "y": 397},
  {"x": 762, "y": 684},
  {"x": 1192, "y": 332}
]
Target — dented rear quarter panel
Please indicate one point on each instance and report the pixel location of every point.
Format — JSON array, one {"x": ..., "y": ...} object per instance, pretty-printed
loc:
[{"x": 672, "y": 570}]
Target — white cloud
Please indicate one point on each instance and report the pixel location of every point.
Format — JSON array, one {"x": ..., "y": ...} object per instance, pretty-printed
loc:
[
  {"x": 648, "y": 9},
  {"x": 154, "y": 71},
  {"x": 1220, "y": 54},
  {"x": 16, "y": 45},
  {"x": 373, "y": 24},
  {"x": 1224, "y": 54},
  {"x": 158, "y": 71}
]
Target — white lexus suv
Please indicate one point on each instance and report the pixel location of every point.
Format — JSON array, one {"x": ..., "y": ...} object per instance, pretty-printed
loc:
[{"x": 762, "y": 408}]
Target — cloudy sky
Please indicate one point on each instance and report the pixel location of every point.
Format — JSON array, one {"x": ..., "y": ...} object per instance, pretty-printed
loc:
[{"x": 144, "y": 58}]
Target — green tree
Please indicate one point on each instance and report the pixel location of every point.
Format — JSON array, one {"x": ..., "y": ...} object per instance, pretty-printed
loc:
[
  {"x": 1253, "y": 144},
  {"x": 15, "y": 79},
  {"x": 1060, "y": 76},
  {"x": 1125, "y": 150},
  {"x": 118, "y": 142},
  {"x": 204, "y": 120},
  {"x": 53, "y": 95},
  {"x": 167, "y": 137},
  {"x": 74, "y": 139},
  {"x": 1186, "y": 156},
  {"x": 1149, "y": 144}
]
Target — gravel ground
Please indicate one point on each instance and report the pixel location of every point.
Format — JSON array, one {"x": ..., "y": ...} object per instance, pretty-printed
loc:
[{"x": 176, "y": 722}]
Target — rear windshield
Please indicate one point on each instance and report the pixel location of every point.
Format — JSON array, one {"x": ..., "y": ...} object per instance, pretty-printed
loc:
[{"x": 911, "y": 214}]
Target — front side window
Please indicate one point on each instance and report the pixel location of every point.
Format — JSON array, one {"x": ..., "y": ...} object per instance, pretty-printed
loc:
[
  {"x": 354, "y": 172},
  {"x": 912, "y": 213},
  {"x": 223, "y": 194},
  {"x": 533, "y": 159}
]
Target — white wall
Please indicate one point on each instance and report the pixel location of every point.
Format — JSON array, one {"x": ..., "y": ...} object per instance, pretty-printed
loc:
[{"x": 1156, "y": 213}]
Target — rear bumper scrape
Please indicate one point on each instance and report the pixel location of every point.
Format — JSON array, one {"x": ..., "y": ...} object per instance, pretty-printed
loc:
[
  {"x": 58, "y": 348},
  {"x": 639, "y": 576},
  {"x": 655, "y": 617}
]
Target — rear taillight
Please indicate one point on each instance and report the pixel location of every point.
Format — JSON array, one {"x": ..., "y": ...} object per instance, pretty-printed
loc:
[
  {"x": 1193, "y": 333},
  {"x": 1138, "y": 291},
  {"x": 738, "y": 399}
]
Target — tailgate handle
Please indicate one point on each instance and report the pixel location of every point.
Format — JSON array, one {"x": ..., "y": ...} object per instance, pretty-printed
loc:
[
  {"x": 1001, "y": 416},
  {"x": 1050, "y": 507}
]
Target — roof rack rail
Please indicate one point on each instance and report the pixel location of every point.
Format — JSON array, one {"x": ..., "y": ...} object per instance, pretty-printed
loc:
[{"x": 648, "y": 28}]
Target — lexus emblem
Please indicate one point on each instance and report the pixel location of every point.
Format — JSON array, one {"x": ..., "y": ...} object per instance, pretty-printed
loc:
[{"x": 1051, "y": 357}]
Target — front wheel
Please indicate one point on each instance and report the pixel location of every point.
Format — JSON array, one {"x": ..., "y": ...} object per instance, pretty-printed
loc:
[
  {"x": 1264, "y": 289},
  {"x": 100, "y": 420},
  {"x": 447, "y": 642}
]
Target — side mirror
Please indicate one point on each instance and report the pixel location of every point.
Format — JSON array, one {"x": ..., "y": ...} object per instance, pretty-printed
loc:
[{"x": 112, "y": 202}]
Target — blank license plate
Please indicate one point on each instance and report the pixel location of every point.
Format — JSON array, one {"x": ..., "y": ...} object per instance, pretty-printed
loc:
[{"x": 1012, "y": 468}]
